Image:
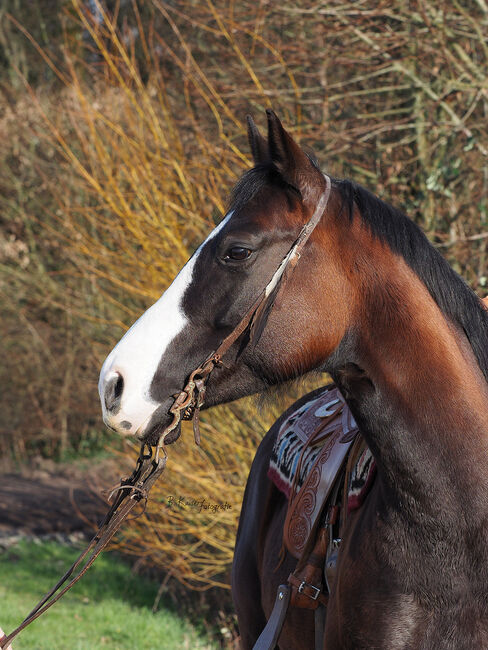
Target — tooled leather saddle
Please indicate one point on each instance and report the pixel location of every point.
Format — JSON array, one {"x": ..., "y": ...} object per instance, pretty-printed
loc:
[
  {"x": 318, "y": 460},
  {"x": 327, "y": 427}
]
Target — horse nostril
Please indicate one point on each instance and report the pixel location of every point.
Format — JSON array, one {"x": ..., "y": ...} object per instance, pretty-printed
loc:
[
  {"x": 119, "y": 387},
  {"x": 113, "y": 392}
]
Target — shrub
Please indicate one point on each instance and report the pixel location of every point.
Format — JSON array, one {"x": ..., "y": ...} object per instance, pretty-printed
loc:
[{"x": 114, "y": 177}]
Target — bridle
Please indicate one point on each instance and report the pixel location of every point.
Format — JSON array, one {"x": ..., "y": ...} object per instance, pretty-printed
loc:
[
  {"x": 186, "y": 406},
  {"x": 188, "y": 403}
]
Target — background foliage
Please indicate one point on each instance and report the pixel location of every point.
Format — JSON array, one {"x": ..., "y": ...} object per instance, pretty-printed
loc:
[{"x": 122, "y": 132}]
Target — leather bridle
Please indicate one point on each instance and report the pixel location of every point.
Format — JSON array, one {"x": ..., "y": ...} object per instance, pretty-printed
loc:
[{"x": 187, "y": 404}]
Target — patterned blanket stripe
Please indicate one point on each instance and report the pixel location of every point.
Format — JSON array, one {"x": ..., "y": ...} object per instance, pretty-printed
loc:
[{"x": 288, "y": 448}]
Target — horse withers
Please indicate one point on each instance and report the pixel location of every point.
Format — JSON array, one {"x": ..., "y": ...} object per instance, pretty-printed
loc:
[{"x": 372, "y": 303}]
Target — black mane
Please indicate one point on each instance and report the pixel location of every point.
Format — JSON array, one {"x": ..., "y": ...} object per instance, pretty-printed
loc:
[{"x": 451, "y": 293}]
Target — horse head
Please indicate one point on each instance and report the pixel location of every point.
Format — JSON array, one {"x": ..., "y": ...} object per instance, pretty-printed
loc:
[{"x": 298, "y": 330}]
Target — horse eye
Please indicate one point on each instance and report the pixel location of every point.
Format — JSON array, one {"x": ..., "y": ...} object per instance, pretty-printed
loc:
[{"x": 238, "y": 253}]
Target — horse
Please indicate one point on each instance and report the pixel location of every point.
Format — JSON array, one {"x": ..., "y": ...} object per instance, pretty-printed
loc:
[{"x": 370, "y": 301}]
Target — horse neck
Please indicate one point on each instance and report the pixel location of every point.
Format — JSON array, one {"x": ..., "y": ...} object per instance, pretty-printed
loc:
[{"x": 412, "y": 381}]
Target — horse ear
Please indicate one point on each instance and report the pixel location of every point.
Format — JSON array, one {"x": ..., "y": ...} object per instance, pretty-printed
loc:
[
  {"x": 258, "y": 144},
  {"x": 292, "y": 162}
]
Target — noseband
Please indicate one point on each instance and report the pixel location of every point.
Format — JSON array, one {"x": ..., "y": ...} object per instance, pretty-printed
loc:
[
  {"x": 186, "y": 406},
  {"x": 189, "y": 401}
]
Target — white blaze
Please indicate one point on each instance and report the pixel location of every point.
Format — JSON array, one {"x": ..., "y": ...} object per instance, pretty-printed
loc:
[{"x": 137, "y": 355}]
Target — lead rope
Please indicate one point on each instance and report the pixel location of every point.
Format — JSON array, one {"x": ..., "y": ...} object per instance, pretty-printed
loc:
[
  {"x": 131, "y": 491},
  {"x": 187, "y": 405}
]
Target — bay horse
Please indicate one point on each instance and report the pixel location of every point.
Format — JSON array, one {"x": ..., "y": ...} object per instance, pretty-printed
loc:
[{"x": 372, "y": 303}]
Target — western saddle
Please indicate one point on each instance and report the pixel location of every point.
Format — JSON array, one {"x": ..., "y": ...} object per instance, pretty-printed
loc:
[{"x": 316, "y": 511}]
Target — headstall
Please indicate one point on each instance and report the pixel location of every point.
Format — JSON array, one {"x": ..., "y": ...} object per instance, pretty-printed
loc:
[
  {"x": 188, "y": 403},
  {"x": 186, "y": 406}
]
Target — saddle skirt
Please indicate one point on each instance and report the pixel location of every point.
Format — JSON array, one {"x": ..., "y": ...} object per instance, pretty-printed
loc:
[{"x": 309, "y": 453}]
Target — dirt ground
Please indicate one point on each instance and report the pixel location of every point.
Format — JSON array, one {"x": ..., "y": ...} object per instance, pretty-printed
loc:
[{"x": 54, "y": 500}]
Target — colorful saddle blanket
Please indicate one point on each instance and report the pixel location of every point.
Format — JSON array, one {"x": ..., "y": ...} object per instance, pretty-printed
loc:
[{"x": 291, "y": 454}]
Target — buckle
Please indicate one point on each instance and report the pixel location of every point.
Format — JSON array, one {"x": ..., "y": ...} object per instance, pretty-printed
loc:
[{"x": 305, "y": 584}]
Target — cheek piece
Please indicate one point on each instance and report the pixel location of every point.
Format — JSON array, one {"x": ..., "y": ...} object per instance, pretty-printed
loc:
[
  {"x": 188, "y": 403},
  {"x": 151, "y": 462}
]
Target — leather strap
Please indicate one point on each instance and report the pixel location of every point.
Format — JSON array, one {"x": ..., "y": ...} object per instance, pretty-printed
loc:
[
  {"x": 130, "y": 492},
  {"x": 310, "y": 594},
  {"x": 307, "y": 579},
  {"x": 319, "y": 622},
  {"x": 269, "y": 636},
  {"x": 187, "y": 404}
]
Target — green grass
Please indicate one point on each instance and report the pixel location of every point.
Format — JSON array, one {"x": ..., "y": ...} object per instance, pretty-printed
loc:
[{"x": 109, "y": 608}]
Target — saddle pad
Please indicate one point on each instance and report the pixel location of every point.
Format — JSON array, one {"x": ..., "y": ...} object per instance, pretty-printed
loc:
[
  {"x": 294, "y": 433},
  {"x": 362, "y": 478},
  {"x": 292, "y": 436}
]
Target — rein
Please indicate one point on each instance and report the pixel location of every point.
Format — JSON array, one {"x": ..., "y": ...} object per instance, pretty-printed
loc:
[
  {"x": 132, "y": 490},
  {"x": 151, "y": 461}
]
